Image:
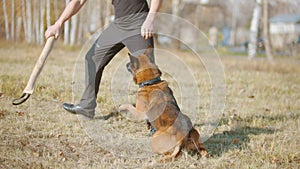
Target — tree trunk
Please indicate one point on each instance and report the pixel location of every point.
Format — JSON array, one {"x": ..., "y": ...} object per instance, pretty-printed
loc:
[
  {"x": 234, "y": 19},
  {"x": 73, "y": 30},
  {"x": 94, "y": 16},
  {"x": 80, "y": 26},
  {"x": 29, "y": 21},
  {"x": 176, "y": 29},
  {"x": 6, "y": 20},
  {"x": 101, "y": 19},
  {"x": 24, "y": 20},
  {"x": 48, "y": 13},
  {"x": 18, "y": 28},
  {"x": 107, "y": 13},
  {"x": 66, "y": 29},
  {"x": 175, "y": 7},
  {"x": 85, "y": 27},
  {"x": 12, "y": 20},
  {"x": 36, "y": 20},
  {"x": 252, "y": 47},
  {"x": 42, "y": 27},
  {"x": 266, "y": 30},
  {"x": 56, "y": 12}
]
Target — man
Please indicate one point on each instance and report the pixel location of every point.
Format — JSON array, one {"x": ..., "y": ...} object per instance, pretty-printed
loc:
[{"x": 132, "y": 27}]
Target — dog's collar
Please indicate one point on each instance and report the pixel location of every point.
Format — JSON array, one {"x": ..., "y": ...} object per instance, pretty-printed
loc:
[{"x": 150, "y": 82}]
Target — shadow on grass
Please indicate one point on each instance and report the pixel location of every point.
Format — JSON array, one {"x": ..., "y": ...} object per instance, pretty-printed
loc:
[
  {"x": 220, "y": 143},
  {"x": 113, "y": 113},
  {"x": 108, "y": 116},
  {"x": 235, "y": 139}
]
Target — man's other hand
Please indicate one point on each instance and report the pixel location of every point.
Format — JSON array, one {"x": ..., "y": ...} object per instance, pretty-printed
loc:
[
  {"x": 53, "y": 30},
  {"x": 147, "y": 28}
]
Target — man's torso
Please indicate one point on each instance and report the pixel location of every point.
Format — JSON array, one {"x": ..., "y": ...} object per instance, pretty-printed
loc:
[{"x": 128, "y": 7}]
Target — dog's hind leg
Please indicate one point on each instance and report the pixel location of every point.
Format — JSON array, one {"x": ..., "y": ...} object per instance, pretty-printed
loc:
[
  {"x": 172, "y": 156},
  {"x": 163, "y": 142}
]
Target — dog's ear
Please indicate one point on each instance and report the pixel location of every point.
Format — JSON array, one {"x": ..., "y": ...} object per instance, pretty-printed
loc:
[
  {"x": 130, "y": 57},
  {"x": 148, "y": 51},
  {"x": 133, "y": 59},
  {"x": 128, "y": 66}
]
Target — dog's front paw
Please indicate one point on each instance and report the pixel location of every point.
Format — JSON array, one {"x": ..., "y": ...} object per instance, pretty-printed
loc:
[{"x": 123, "y": 108}]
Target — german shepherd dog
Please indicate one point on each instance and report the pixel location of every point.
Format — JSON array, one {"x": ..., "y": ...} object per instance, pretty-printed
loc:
[{"x": 155, "y": 102}]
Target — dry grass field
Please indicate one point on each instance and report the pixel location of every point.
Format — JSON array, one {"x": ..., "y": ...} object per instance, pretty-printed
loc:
[{"x": 260, "y": 127}]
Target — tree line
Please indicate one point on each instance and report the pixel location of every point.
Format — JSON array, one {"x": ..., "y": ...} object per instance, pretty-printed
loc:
[{"x": 28, "y": 19}]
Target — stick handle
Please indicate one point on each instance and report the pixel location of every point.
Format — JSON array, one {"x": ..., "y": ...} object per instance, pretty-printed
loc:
[{"x": 39, "y": 65}]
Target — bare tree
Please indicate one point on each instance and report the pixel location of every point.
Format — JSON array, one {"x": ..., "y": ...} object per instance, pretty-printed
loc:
[
  {"x": 107, "y": 13},
  {"x": 36, "y": 20},
  {"x": 83, "y": 26},
  {"x": 175, "y": 7},
  {"x": 234, "y": 20},
  {"x": 24, "y": 19},
  {"x": 176, "y": 13},
  {"x": 42, "y": 27},
  {"x": 80, "y": 26},
  {"x": 18, "y": 28},
  {"x": 101, "y": 19},
  {"x": 252, "y": 47},
  {"x": 56, "y": 13},
  {"x": 48, "y": 15},
  {"x": 12, "y": 20},
  {"x": 29, "y": 21},
  {"x": 6, "y": 20},
  {"x": 266, "y": 30},
  {"x": 95, "y": 16},
  {"x": 74, "y": 20},
  {"x": 66, "y": 29}
]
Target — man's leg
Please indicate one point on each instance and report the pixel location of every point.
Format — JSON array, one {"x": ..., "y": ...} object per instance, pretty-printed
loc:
[
  {"x": 96, "y": 59},
  {"x": 103, "y": 50},
  {"x": 137, "y": 45}
]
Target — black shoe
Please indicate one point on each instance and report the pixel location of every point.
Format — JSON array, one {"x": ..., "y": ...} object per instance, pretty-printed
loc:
[{"x": 76, "y": 109}]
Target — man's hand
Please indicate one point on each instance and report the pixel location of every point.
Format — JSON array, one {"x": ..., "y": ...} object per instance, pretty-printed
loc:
[
  {"x": 147, "y": 27},
  {"x": 71, "y": 9},
  {"x": 53, "y": 30}
]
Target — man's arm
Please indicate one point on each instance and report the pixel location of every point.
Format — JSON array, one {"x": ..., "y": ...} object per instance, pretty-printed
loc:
[
  {"x": 155, "y": 5},
  {"x": 71, "y": 9},
  {"x": 147, "y": 27}
]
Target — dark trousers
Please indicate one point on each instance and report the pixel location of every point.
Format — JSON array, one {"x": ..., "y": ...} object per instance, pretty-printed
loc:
[{"x": 110, "y": 42}]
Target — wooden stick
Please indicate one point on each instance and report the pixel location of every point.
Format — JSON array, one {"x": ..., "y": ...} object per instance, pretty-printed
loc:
[{"x": 36, "y": 72}]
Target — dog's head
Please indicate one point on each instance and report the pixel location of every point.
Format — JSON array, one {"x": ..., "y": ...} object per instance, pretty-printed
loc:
[{"x": 142, "y": 68}]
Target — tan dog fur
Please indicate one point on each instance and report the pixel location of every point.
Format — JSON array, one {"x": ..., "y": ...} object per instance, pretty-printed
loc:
[{"x": 174, "y": 130}]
